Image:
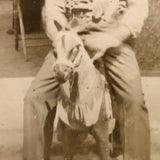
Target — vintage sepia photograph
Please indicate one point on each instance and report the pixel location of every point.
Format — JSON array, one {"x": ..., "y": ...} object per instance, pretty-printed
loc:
[{"x": 79, "y": 79}]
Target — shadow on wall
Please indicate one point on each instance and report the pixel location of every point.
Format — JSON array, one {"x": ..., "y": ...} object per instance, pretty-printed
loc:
[
  {"x": 12, "y": 62},
  {"x": 148, "y": 44}
]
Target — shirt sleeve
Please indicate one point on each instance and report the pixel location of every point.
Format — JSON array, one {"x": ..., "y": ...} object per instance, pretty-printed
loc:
[
  {"x": 135, "y": 16},
  {"x": 54, "y": 10}
]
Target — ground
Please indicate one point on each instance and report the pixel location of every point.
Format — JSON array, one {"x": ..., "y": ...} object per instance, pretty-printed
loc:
[{"x": 16, "y": 76}]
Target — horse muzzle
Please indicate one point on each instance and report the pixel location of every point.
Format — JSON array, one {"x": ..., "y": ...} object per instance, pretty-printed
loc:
[{"x": 62, "y": 72}]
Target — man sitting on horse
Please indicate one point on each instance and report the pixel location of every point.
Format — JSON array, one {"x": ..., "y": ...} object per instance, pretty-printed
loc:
[{"x": 108, "y": 26}]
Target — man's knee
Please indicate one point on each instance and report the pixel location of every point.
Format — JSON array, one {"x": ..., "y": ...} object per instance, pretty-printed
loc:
[
  {"x": 36, "y": 98},
  {"x": 133, "y": 101},
  {"x": 31, "y": 96}
]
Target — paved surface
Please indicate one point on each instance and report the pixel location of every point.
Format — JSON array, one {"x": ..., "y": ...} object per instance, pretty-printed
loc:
[
  {"x": 11, "y": 112},
  {"x": 15, "y": 78}
]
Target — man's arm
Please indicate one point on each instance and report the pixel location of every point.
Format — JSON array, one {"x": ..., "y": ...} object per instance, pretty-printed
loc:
[
  {"x": 132, "y": 20},
  {"x": 135, "y": 16},
  {"x": 54, "y": 11},
  {"x": 129, "y": 26}
]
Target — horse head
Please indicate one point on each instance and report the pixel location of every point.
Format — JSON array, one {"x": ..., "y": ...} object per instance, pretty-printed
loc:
[{"x": 68, "y": 52}]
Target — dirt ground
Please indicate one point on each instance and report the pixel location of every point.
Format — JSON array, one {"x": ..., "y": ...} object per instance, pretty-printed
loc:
[{"x": 14, "y": 71}]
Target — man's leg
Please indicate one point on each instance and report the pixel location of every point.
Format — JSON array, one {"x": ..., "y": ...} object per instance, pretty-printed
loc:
[
  {"x": 39, "y": 111},
  {"x": 124, "y": 77}
]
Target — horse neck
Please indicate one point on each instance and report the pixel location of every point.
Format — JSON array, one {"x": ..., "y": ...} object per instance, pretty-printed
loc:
[
  {"x": 86, "y": 64},
  {"x": 86, "y": 69}
]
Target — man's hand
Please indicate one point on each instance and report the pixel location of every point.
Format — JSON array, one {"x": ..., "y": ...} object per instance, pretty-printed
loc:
[
  {"x": 100, "y": 42},
  {"x": 109, "y": 38}
]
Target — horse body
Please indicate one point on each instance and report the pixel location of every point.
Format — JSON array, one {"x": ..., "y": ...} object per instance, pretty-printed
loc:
[
  {"x": 85, "y": 95},
  {"x": 83, "y": 104}
]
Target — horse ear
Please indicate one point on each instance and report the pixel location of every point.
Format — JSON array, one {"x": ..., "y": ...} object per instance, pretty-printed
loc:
[{"x": 58, "y": 25}]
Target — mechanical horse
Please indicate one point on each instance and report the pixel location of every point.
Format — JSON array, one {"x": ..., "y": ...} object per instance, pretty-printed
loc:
[{"x": 84, "y": 105}]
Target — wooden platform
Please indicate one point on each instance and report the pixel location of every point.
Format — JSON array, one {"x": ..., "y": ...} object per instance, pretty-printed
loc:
[{"x": 36, "y": 39}]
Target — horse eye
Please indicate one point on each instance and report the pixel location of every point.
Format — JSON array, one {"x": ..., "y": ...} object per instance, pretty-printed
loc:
[
  {"x": 75, "y": 50},
  {"x": 74, "y": 53}
]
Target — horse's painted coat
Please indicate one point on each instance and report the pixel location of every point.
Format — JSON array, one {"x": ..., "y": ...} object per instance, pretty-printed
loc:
[{"x": 82, "y": 96}]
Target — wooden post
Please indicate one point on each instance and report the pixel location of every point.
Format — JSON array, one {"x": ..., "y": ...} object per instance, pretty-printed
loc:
[
  {"x": 16, "y": 26},
  {"x": 22, "y": 31}
]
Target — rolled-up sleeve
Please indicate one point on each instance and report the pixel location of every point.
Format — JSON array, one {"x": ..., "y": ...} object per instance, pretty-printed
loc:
[
  {"x": 135, "y": 16},
  {"x": 54, "y": 10}
]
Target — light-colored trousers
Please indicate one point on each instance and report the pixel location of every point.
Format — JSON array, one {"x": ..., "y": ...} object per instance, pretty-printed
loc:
[{"x": 132, "y": 130}]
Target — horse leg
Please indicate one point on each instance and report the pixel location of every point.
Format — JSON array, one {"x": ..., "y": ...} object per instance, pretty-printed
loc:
[
  {"x": 69, "y": 146},
  {"x": 48, "y": 132},
  {"x": 100, "y": 133}
]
